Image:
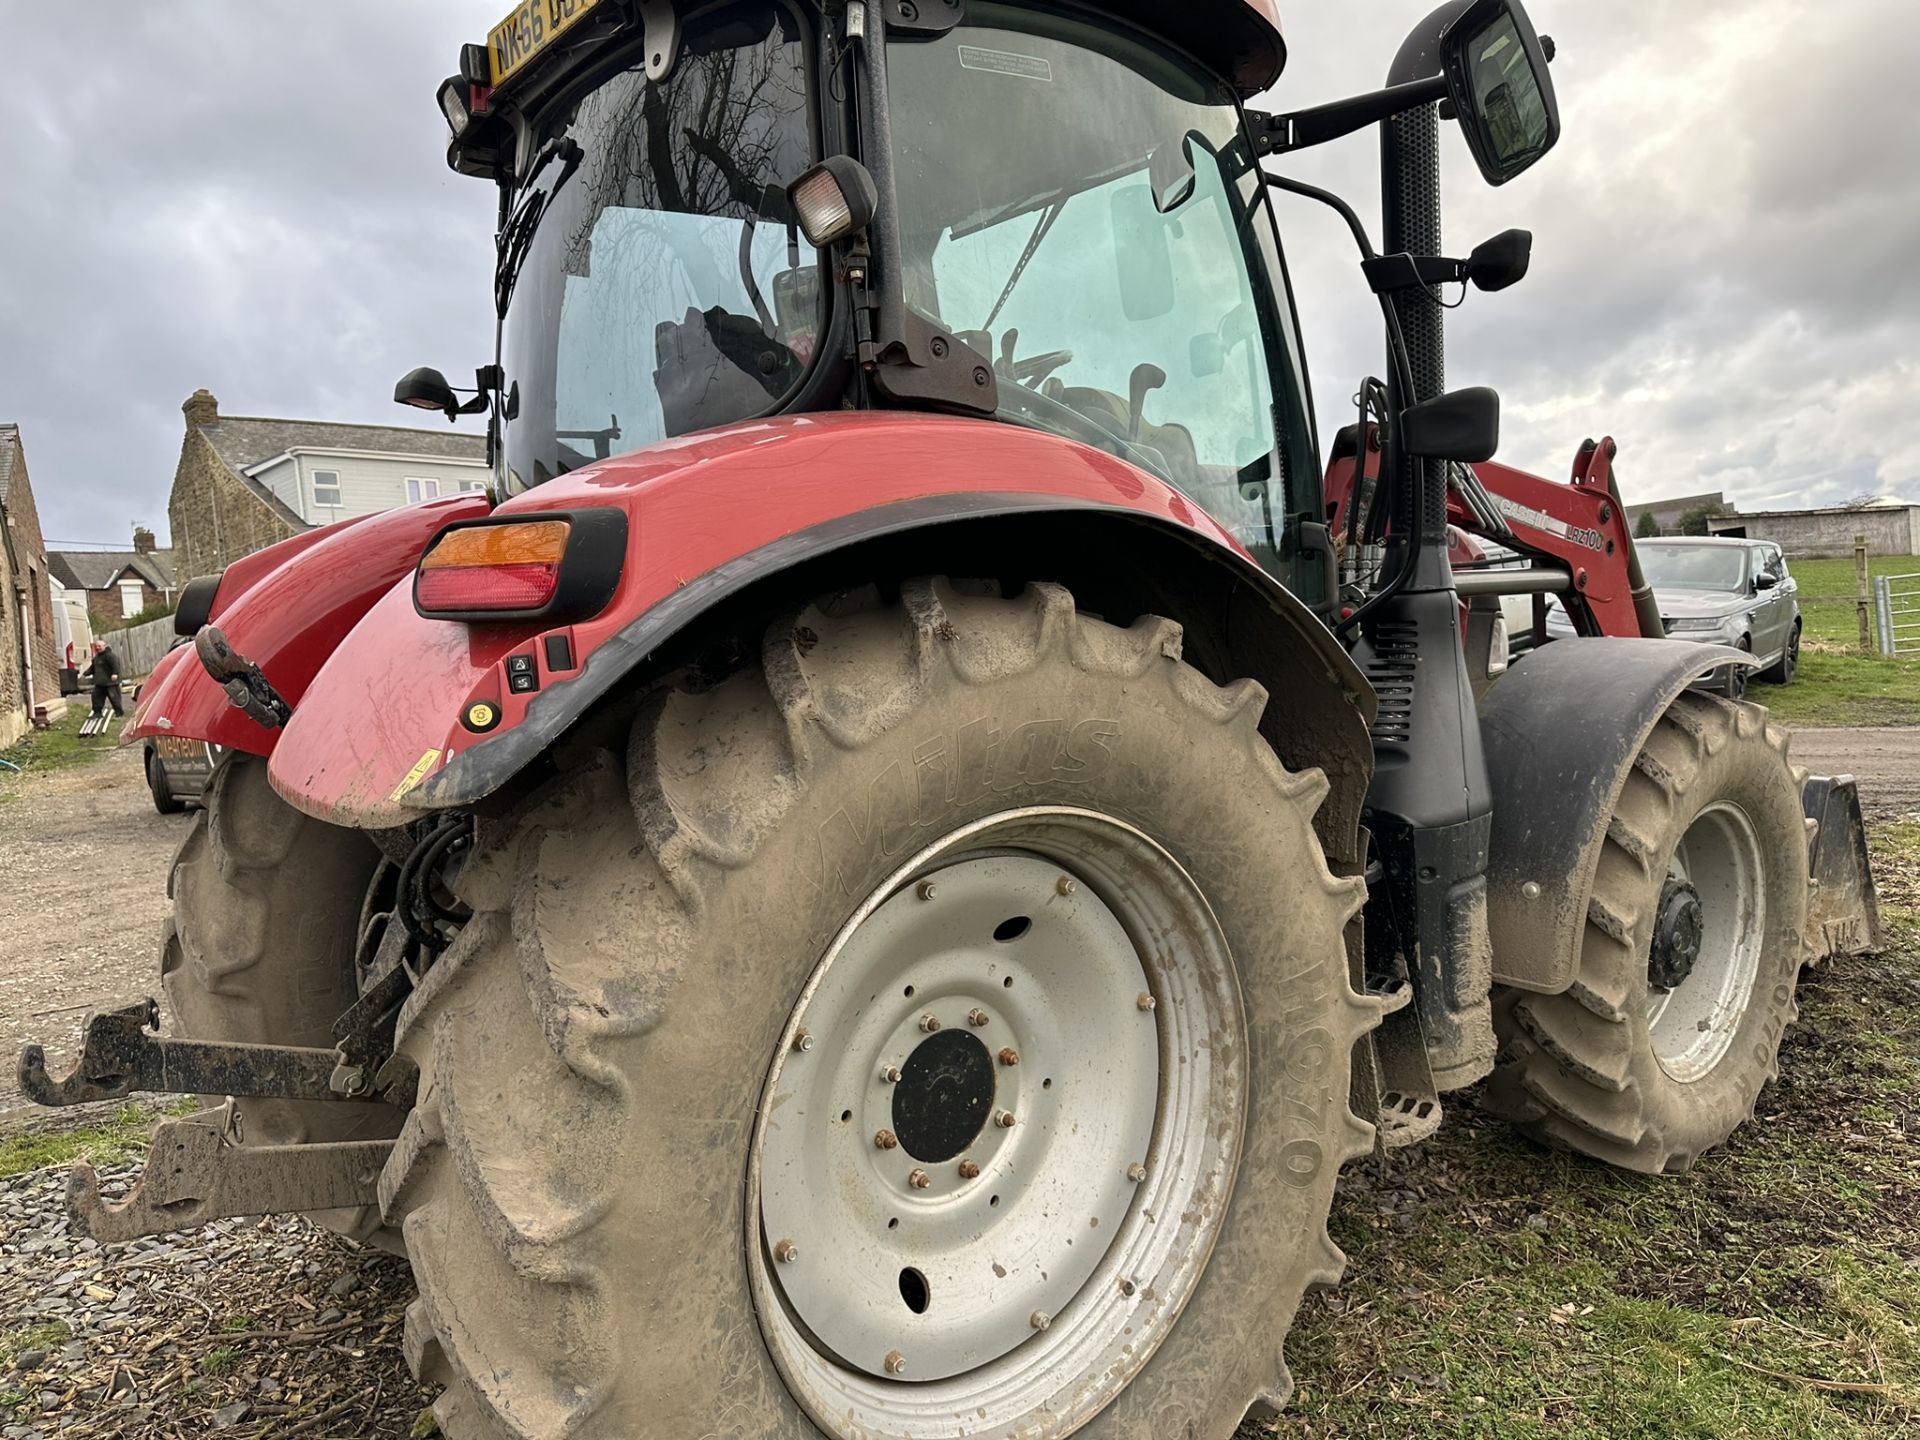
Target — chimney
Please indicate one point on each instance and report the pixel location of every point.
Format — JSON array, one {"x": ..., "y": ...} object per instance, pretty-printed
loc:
[
  {"x": 143, "y": 543},
  {"x": 201, "y": 408}
]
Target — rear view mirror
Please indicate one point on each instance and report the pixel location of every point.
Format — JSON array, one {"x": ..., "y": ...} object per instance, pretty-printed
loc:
[
  {"x": 1496, "y": 71},
  {"x": 1143, "y": 253},
  {"x": 1764, "y": 581},
  {"x": 1461, "y": 425}
]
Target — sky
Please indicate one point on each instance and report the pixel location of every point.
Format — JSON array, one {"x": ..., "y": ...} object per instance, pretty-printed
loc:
[{"x": 252, "y": 196}]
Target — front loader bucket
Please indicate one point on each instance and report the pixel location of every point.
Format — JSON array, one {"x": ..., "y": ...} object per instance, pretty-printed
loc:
[{"x": 1843, "y": 913}]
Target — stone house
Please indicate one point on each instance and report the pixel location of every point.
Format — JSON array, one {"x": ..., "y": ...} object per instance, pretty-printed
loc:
[
  {"x": 244, "y": 482},
  {"x": 29, "y": 677},
  {"x": 118, "y": 584}
]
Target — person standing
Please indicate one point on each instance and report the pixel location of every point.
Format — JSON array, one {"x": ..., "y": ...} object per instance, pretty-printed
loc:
[{"x": 104, "y": 671}]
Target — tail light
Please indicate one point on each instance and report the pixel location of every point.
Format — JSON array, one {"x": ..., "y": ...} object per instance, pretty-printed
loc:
[{"x": 558, "y": 567}]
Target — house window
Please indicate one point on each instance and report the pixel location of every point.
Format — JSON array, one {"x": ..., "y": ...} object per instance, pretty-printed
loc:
[
  {"x": 418, "y": 490},
  {"x": 326, "y": 487},
  {"x": 133, "y": 598}
]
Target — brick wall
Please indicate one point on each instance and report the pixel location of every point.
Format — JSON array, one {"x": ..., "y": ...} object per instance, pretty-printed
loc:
[
  {"x": 13, "y": 709},
  {"x": 214, "y": 517},
  {"x": 30, "y": 552},
  {"x": 105, "y": 610}
]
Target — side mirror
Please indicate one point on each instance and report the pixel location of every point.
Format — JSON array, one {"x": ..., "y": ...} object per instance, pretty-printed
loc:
[
  {"x": 1764, "y": 581},
  {"x": 1502, "y": 261},
  {"x": 426, "y": 389},
  {"x": 1461, "y": 425},
  {"x": 1496, "y": 71}
]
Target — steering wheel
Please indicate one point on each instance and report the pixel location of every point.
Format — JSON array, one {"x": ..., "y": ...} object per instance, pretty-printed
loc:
[{"x": 1032, "y": 372}]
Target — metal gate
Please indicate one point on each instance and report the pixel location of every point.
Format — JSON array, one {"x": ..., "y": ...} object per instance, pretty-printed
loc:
[{"x": 1896, "y": 605}]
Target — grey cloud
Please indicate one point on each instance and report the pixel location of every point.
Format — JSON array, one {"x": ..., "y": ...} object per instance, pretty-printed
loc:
[{"x": 253, "y": 197}]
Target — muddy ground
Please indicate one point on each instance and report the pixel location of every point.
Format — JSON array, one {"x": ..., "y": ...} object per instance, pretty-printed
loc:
[{"x": 1494, "y": 1291}]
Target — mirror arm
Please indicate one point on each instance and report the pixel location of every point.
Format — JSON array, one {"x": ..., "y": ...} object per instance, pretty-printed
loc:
[
  {"x": 1388, "y": 274},
  {"x": 1279, "y": 134}
]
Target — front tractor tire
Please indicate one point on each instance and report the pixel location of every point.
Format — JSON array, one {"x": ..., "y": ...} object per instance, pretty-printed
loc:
[
  {"x": 259, "y": 946},
  {"x": 939, "y": 1027},
  {"x": 1690, "y": 955}
]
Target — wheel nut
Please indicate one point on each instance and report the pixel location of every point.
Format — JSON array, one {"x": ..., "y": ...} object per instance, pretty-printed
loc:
[
  {"x": 885, "y": 1140},
  {"x": 929, "y": 1024},
  {"x": 1145, "y": 1001},
  {"x": 802, "y": 1041},
  {"x": 919, "y": 1180},
  {"x": 1004, "y": 1120},
  {"x": 891, "y": 1074},
  {"x": 1009, "y": 1057},
  {"x": 896, "y": 1362},
  {"x": 786, "y": 1252},
  {"x": 1136, "y": 1172},
  {"x": 977, "y": 1018},
  {"x": 1064, "y": 885},
  {"x": 1040, "y": 1319},
  {"x": 969, "y": 1170},
  {"x": 1126, "y": 1287},
  {"x": 925, "y": 890}
]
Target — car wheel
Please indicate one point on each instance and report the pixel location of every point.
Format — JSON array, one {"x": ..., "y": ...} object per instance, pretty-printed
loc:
[
  {"x": 164, "y": 800},
  {"x": 1788, "y": 665},
  {"x": 1734, "y": 687}
]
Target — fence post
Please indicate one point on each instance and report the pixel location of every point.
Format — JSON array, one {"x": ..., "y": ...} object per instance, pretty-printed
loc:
[
  {"x": 1860, "y": 589},
  {"x": 1883, "y": 604}
]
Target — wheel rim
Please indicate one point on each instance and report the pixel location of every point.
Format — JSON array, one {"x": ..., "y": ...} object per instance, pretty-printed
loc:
[
  {"x": 1693, "y": 1023},
  {"x": 913, "y": 1258}
]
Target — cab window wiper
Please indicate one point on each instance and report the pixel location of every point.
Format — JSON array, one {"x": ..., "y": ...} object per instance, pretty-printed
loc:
[{"x": 516, "y": 236}]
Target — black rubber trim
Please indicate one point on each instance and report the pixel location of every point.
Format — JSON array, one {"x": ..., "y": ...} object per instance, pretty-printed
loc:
[
  {"x": 195, "y": 606},
  {"x": 589, "y": 567}
]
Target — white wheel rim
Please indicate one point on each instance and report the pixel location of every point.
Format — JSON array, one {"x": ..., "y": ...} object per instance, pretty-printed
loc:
[
  {"x": 902, "y": 1295},
  {"x": 1693, "y": 1025}
]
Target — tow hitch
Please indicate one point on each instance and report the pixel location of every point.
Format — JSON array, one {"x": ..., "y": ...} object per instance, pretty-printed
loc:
[{"x": 196, "y": 1169}]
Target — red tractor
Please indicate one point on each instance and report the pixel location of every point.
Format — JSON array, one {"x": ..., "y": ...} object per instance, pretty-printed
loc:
[{"x": 871, "y": 885}]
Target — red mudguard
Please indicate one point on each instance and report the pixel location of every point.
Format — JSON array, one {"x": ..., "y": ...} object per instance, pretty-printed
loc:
[
  {"x": 408, "y": 711},
  {"x": 287, "y": 608}
]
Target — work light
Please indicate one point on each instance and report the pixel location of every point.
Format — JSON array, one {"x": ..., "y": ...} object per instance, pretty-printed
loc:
[{"x": 833, "y": 200}]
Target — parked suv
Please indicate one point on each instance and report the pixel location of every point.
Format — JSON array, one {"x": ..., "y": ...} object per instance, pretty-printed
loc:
[{"x": 1725, "y": 592}]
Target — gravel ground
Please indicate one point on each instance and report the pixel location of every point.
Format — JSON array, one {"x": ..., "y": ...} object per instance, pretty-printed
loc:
[
  {"x": 83, "y": 889},
  {"x": 252, "y": 1328},
  {"x": 1886, "y": 759}
]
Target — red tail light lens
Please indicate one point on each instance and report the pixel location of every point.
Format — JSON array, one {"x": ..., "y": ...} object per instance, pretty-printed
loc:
[
  {"x": 558, "y": 566},
  {"x": 499, "y": 587}
]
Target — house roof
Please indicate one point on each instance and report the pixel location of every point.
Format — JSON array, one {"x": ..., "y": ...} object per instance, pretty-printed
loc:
[
  {"x": 99, "y": 569},
  {"x": 244, "y": 441},
  {"x": 9, "y": 443}
]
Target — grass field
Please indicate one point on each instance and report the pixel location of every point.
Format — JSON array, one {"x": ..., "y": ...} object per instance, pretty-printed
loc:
[
  {"x": 1838, "y": 684},
  {"x": 1500, "y": 1292},
  {"x": 56, "y": 748}
]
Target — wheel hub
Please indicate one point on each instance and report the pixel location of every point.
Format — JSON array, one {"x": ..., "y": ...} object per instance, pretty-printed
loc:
[
  {"x": 1677, "y": 935},
  {"x": 944, "y": 1094}
]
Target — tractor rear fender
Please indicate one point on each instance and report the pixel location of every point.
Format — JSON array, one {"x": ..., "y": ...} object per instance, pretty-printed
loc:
[
  {"x": 727, "y": 528},
  {"x": 1561, "y": 730},
  {"x": 285, "y": 608}
]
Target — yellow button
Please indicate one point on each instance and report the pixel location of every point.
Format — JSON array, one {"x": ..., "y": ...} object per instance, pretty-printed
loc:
[{"x": 481, "y": 715}]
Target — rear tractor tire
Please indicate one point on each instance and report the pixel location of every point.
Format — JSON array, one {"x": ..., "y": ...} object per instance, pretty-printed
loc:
[
  {"x": 1689, "y": 958},
  {"x": 259, "y": 948},
  {"x": 992, "y": 949}
]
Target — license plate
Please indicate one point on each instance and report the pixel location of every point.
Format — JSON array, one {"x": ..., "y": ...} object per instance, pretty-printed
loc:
[{"x": 531, "y": 28}]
